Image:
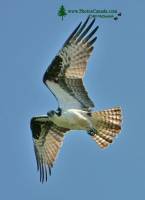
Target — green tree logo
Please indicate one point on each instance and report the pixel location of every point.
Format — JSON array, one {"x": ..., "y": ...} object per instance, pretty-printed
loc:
[{"x": 62, "y": 12}]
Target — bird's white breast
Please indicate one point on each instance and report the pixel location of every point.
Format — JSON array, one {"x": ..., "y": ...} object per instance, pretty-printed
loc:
[{"x": 73, "y": 119}]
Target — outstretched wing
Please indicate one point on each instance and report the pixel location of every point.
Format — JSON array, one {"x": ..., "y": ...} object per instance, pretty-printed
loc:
[
  {"x": 47, "y": 138},
  {"x": 64, "y": 75}
]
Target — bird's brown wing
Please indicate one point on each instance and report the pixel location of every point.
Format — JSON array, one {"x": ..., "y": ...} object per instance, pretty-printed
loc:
[
  {"x": 64, "y": 76},
  {"x": 48, "y": 139}
]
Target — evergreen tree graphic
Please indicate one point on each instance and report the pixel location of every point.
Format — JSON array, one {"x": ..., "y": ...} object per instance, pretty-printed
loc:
[{"x": 62, "y": 12}]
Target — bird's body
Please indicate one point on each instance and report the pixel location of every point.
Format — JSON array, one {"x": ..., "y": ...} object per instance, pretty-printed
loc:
[
  {"x": 64, "y": 78},
  {"x": 73, "y": 119}
]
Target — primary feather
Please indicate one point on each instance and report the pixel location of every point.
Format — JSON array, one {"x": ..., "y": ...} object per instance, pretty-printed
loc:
[{"x": 64, "y": 75}]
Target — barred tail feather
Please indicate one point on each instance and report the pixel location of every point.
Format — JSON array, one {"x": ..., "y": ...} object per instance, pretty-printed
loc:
[{"x": 107, "y": 124}]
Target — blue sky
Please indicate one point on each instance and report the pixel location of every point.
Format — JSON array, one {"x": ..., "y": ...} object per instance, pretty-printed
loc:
[{"x": 31, "y": 34}]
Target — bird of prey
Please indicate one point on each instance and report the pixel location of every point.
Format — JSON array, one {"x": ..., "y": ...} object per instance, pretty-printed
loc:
[{"x": 64, "y": 78}]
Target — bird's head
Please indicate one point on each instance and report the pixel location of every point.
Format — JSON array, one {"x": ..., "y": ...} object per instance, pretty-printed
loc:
[{"x": 51, "y": 113}]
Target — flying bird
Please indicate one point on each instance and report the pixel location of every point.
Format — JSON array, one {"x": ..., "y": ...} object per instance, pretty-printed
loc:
[{"x": 64, "y": 78}]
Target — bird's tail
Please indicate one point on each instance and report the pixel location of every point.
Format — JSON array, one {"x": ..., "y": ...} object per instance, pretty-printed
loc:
[{"x": 107, "y": 124}]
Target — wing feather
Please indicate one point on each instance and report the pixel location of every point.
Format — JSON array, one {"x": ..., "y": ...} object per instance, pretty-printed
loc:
[
  {"x": 48, "y": 139},
  {"x": 64, "y": 75}
]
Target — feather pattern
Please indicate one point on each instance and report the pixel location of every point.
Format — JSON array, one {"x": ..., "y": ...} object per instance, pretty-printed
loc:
[
  {"x": 65, "y": 73},
  {"x": 48, "y": 139},
  {"x": 108, "y": 126}
]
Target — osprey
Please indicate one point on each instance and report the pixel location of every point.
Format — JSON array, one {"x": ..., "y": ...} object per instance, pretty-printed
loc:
[{"x": 64, "y": 79}]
